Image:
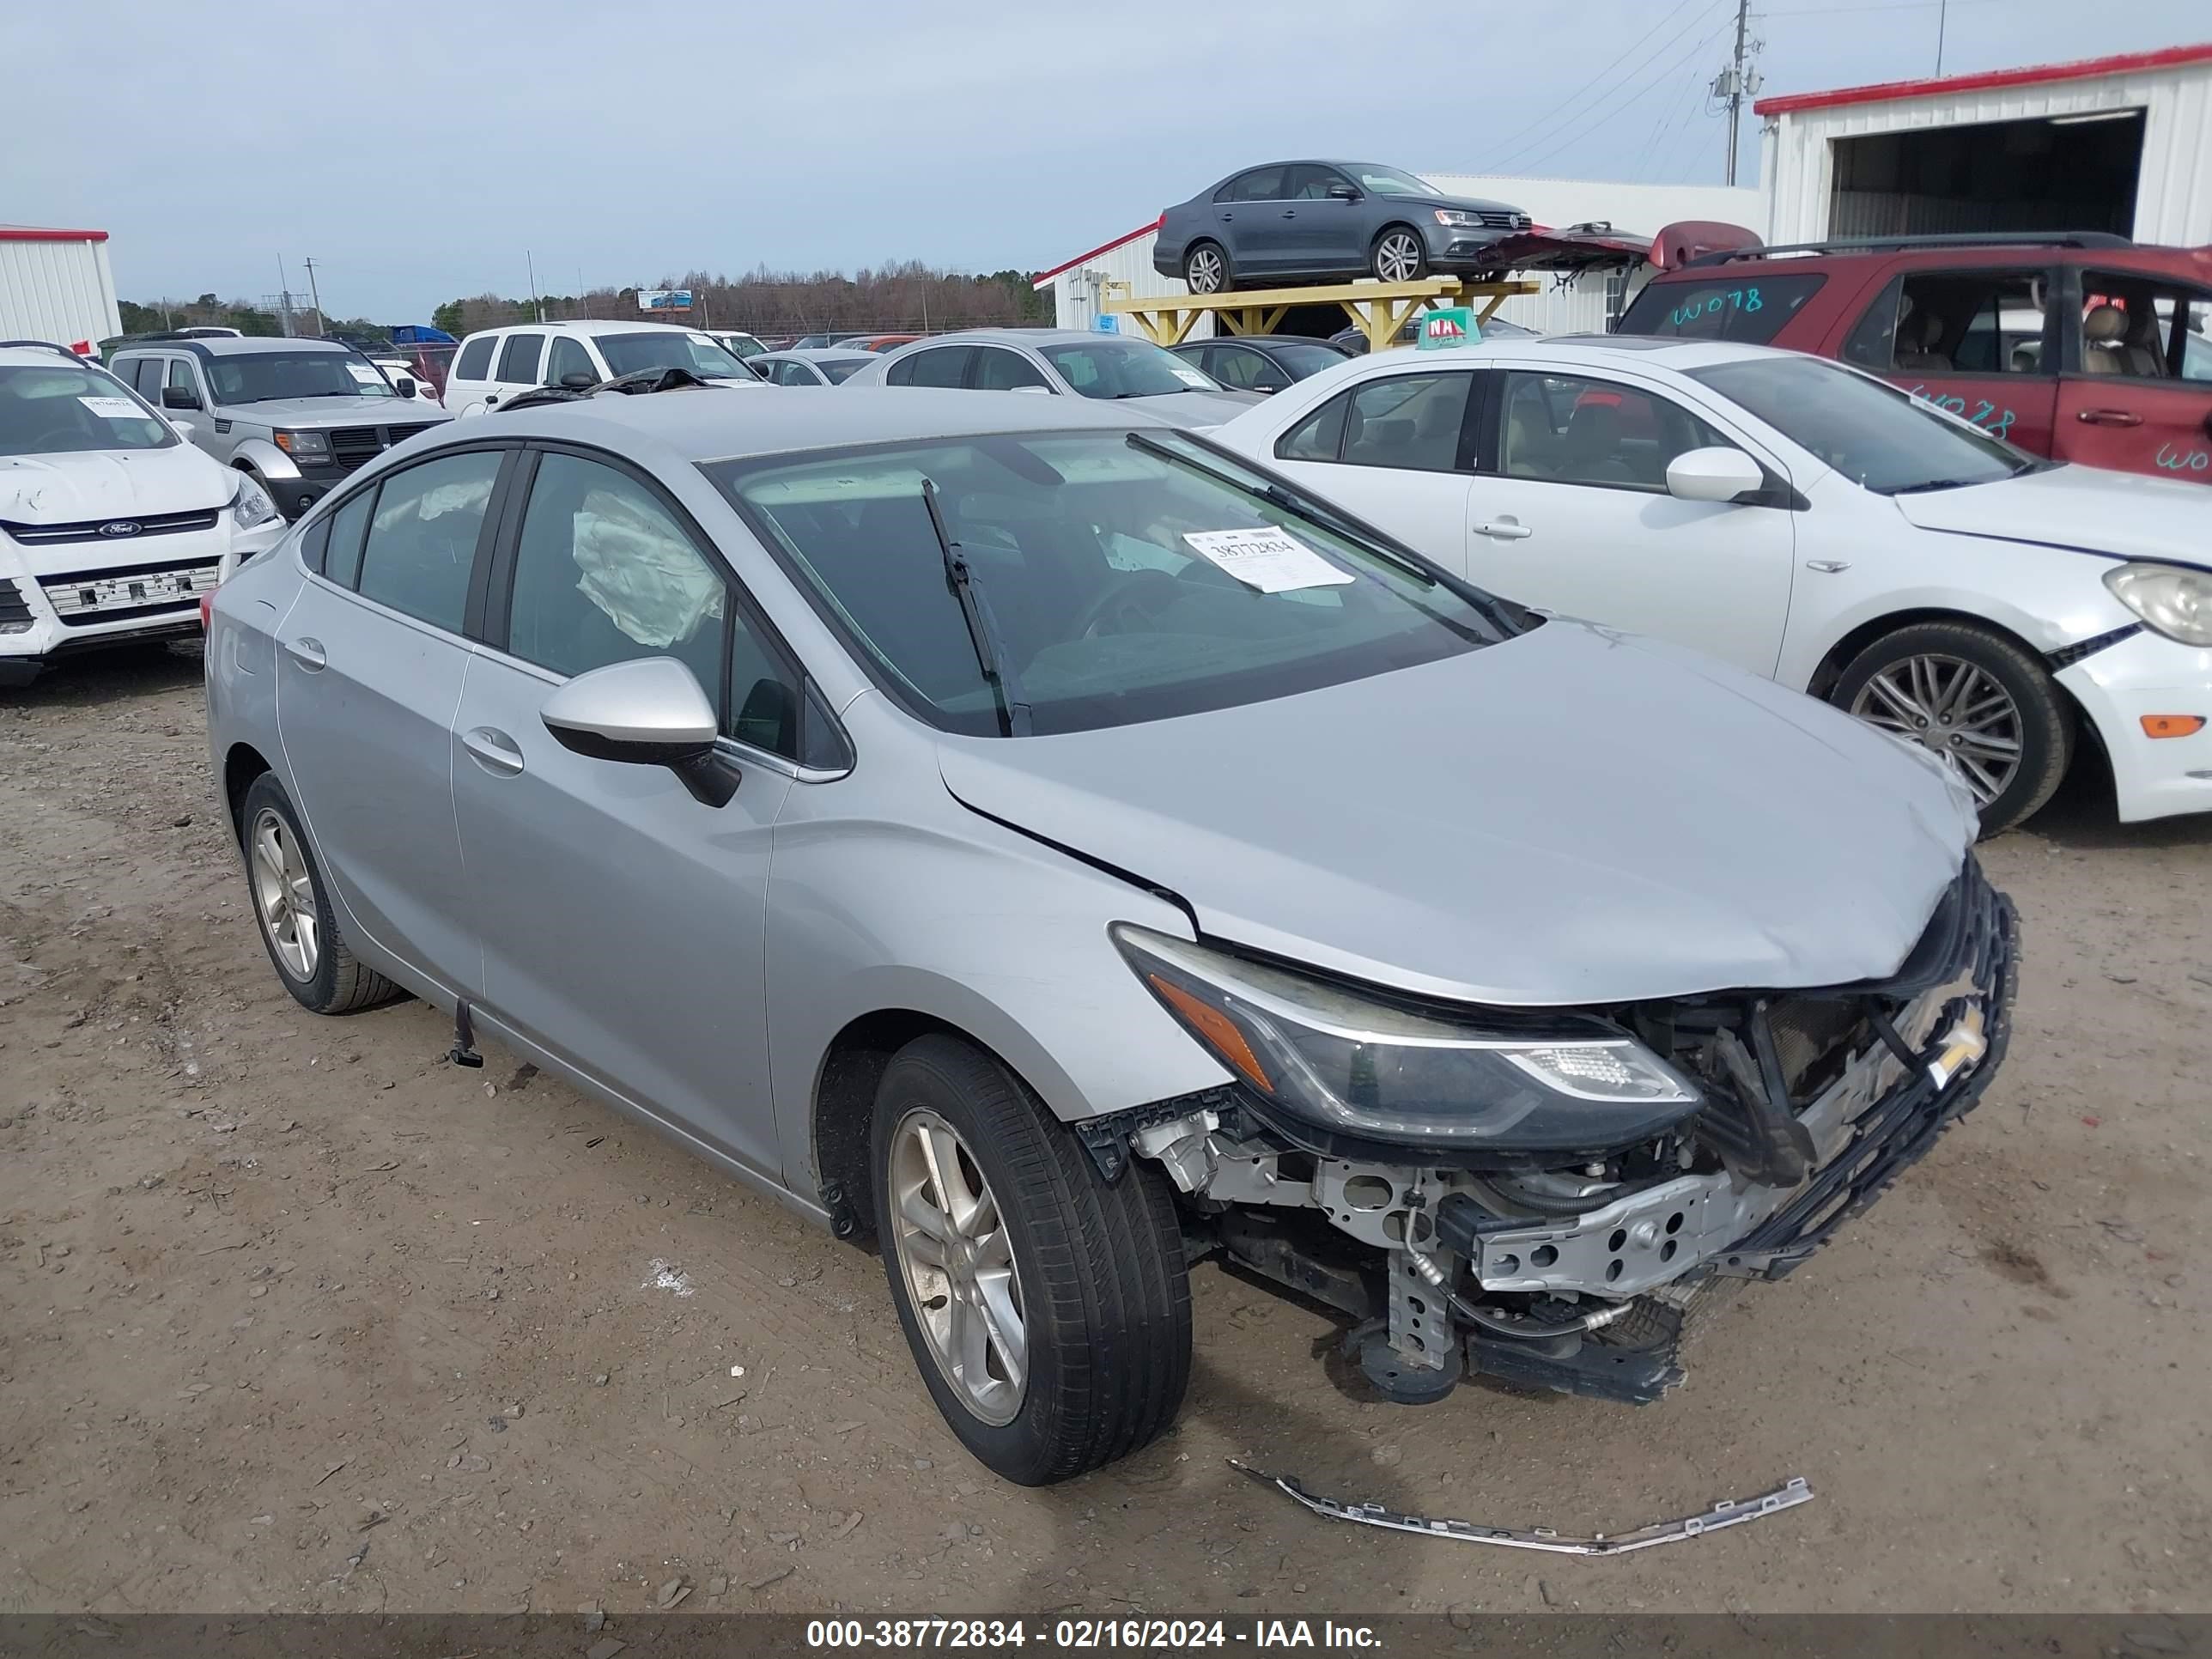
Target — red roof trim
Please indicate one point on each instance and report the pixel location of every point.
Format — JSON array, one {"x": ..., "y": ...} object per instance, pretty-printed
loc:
[
  {"x": 1044, "y": 276},
  {"x": 2085, "y": 69},
  {"x": 26, "y": 234}
]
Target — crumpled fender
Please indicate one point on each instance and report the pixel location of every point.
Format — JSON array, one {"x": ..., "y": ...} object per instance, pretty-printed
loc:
[{"x": 265, "y": 459}]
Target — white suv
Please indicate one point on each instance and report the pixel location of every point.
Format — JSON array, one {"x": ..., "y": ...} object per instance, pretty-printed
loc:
[
  {"x": 111, "y": 526},
  {"x": 495, "y": 363}
]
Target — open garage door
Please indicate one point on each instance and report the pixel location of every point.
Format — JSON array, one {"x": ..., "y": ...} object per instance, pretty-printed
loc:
[{"x": 2060, "y": 173}]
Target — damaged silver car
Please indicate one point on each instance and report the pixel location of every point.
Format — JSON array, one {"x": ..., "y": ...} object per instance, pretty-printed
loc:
[{"x": 1063, "y": 852}]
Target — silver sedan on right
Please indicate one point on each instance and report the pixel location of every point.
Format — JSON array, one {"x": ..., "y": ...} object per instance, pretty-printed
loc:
[{"x": 1110, "y": 368}]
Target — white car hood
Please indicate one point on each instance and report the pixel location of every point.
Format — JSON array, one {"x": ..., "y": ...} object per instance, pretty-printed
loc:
[
  {"x": 110, "y": 484},
  {"x": 2122, "y": 514}
]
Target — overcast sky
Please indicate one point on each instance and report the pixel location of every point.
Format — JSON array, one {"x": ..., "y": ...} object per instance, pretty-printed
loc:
[{"x": 417, "y": 150}]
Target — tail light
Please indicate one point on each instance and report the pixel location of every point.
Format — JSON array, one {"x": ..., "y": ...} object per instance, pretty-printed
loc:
[{"x": 207, "y": 610}]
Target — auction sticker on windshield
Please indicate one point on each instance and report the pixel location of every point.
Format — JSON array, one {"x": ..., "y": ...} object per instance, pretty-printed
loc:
[
  {"x": 365, "y": 374},
  {"x": 1270, "y": 560},
  {"x": 1192, "y": 377},
  {"x": 113, "y": 408}
]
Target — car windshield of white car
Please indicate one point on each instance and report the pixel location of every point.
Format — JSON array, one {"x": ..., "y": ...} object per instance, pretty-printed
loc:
[
  {"x": 629, "y": 353},
  {"x": 264, "y": 376},
  {"x": 1122, "y": 584},
  {"x": 65, "y": 407},
  {"x": 1126, "y": 368},
  {"x": 1872, "y": 433}
]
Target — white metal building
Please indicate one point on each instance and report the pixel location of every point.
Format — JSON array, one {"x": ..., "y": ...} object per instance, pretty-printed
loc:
[
  {"x": 2123, "y": 144},
  {"x": 1077, "y": 284},
  {"x": 54, "y": 285}
]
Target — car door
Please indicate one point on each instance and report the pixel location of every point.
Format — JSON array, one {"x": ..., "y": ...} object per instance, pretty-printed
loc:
[
  {"x": 622, "y": 919},
  {"x": 370, "y": 664},
  {"x": 183, "y": 397},
  {"x": 469, "y": 384},
  {"x": 517, "y": 367},
  {"x": 1982, "y": 344},
  {"x": 1248, "y": 222},
  {"x": 570, "y": 356},
  {"x": 1569, "y": 512},
  {"x": 938, "y": 366},
  {"x": 1321, "y": 233},
  {"x": 995, "y": 368},
  {"x": 1394, "y": 449},
  {"x": 2135, "y": 390}
]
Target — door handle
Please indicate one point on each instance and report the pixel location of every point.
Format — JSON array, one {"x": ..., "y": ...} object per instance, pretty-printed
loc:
[
  {"x": 2109, "y": 418},
  {"x": 493, "y": 749},
  {"x": 308, "y": 653},
  {"x": 1226, "y": 218},
  {"x": 1290, "y": 213},
  {"x": 1505, "y": 530}
]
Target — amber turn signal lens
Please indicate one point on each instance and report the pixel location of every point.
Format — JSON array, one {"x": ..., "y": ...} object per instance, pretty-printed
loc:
[
  {"x": 1217, "y": 1029},
  {"x": 2172, "y": 725}
]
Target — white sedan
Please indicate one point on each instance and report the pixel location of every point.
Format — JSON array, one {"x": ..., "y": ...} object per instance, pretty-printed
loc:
[{"x": 1803, "y": 520}]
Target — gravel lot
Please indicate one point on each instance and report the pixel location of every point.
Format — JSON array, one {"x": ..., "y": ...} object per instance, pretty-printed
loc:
[{"x": 293, "y": 1315}]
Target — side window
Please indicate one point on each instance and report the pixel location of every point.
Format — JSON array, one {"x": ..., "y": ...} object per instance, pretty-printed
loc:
[
  {"x": 1319, "y": 436},
  {"x": 1872, "y": 343},
  {"x": 475, "y": 361},
  {"x": 1562, "y": 428},
  {"x": 1411, "y": 422},
  {"x": 315, "y": 544},
  {"x": 943, "y": 366},
  {"x": 998, "y": 370},
  {"x": 1973, "y": 322},
  {"x": 342, "y": 563},
  {"x": 1309, "y": 184},
  {"x": 1261, "y": 184},
  {"x": 181, "y": 378},
  {"x": 423, "y": 538},
  {"x": 1748, "y": 304},
  {"x": 518, "y": 359},
  {"x": 2145, "y": 328},
  {"x": 568, "y": 357},
  {"x": 144, "y": 374},
  {"x": 1242, "y": 368}
]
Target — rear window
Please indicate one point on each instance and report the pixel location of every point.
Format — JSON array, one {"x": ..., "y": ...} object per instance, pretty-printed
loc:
[
  {"x": 1748, "y": 306},
  {"x": 476, "y": 358}
]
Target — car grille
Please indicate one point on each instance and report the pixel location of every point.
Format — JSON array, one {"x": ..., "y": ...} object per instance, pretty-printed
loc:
[
  {"x": 352, "y": 445},
  {"x": 1503, "y": 220},
  {"x": 14, "y": 609},
  {"x": 400, "y": 434},
  {"x": 142, "y": 590},
  {"x": 109, "y": 530}
]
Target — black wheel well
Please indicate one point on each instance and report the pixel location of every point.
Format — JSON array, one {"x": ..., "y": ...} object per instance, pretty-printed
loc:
[
  {"x": 845, "y": 1102},
  {"x": 1840, "y": 653},
  {"x": 1406, "y": 225},
  {"x": 241, "y": 767}
]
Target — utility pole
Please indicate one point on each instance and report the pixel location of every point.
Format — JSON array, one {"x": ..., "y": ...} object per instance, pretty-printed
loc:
[
  {"x": 1942, "y": 18},
  {"x": 1739, "y": 81},
  {"x": 538, "y": 308},
  {"x": 284, "y": 298},
  {"x": 315, "y": 295}
]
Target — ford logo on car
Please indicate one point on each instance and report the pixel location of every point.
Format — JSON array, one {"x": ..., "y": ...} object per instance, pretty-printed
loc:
[{"x": 120, "y": 527}]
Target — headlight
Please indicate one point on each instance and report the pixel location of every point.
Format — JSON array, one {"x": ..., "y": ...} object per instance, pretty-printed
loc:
[
  {"x": 1355, "y": 1068},
  {"x": 305, "y": 446},
  {"x": 2175, "y": 601},
  {"x": 251, "y": 508},
  {"x": 1457, "y": 217}
]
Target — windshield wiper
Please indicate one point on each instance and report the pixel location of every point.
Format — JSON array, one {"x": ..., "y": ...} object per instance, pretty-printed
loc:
[
  {"x": 1927, "y": 485},
  {"x": 982, "y": 628}
]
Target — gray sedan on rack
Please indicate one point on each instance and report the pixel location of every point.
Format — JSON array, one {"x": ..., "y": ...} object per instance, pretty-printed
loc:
[
  {"x": 1031, "y": 837},
  {"x": 1068, "y": 362}
]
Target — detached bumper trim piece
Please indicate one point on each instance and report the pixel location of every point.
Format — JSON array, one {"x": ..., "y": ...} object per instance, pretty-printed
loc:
[{"x": 1728, "y": 1512}]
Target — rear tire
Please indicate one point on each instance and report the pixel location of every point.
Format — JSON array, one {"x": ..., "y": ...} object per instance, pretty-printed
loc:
[
  {"x": 1976, "y": 699},
  {"x": 1091, "y": 1270},
  {"x": 292, "y": 907},
  {"x": 1205, "y": 269}
]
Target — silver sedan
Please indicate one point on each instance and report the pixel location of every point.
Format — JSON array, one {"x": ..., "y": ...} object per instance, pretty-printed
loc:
[{"x": 1059, "y": 851}]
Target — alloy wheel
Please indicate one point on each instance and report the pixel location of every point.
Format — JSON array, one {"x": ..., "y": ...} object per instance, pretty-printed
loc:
[
  {"x": 1398, "y": 257},
  {"x": 284, "y": 896},
  {"x": 1952, "y": 709},
  {"x": 1203, "y": 272},
  {"x": 959, "y": 1263}
]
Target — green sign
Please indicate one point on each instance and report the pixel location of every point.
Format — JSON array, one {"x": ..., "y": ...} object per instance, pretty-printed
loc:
[{"x": 1449, "y": 325}]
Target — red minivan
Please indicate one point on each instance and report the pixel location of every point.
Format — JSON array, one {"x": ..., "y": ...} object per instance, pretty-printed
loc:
[{"x": 2084, "y": 348}]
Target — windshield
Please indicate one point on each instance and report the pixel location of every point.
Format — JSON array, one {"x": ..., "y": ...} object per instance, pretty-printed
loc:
[
  {"x": 629, "y": 353},
  {"x": 1125, "y": 368},
  {"x": 1106, "y": 567},
  {"x": 1866, "y": 429},
  {"x": 1302, "y": 359},
  {"x": 257, "y": 377},
  {"x": 69, "y": 408},
  {"x": 1388, "y": 181},
  {"x": 840, "y": 369}
]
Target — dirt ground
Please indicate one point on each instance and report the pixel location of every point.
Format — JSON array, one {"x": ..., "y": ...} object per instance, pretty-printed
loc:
[{"x": 293, "y": 1315}]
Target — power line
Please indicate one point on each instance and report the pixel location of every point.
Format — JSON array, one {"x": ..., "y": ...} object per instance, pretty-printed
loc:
[
  {"x": 1574, "y": 103},
  {"x": 1621, "y": 107},
  {"x": 1880, "y": 5}
]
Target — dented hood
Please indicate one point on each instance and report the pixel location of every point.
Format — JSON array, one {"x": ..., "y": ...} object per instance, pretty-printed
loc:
[
  {"x": 1571, "y": 816},
  {"x": 2122, "y": 515},
  {"x": 79, "y": 486}
]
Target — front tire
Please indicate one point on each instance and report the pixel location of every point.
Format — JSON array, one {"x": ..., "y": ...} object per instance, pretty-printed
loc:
[
  {"x": 1205, "y": 269},
  {"x": 292, "y": 906},
  {"x": 1399, "y": 256},
  {"x": 1978, "y": 701},
  {"x": 1048, "y": 1308}
]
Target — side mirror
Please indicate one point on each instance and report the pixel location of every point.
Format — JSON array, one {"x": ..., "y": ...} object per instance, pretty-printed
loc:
[
  {"x": 404, "y": 387},
  {"x": 647, "y": 711},
  {"x": 1714, "y": 474},
  {"x": 1342, "y": 193},
  {"x": 577, "y": 379},
  {"x": 179, "y": 397}
]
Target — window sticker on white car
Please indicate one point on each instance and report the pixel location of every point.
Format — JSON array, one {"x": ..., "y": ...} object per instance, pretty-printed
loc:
[
  {"x": 364, "y": 374},
  {"x": 1191, "y": 377},
  {"x": 1270, "y": 560},
  {"x": 113, "y": 408}
]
